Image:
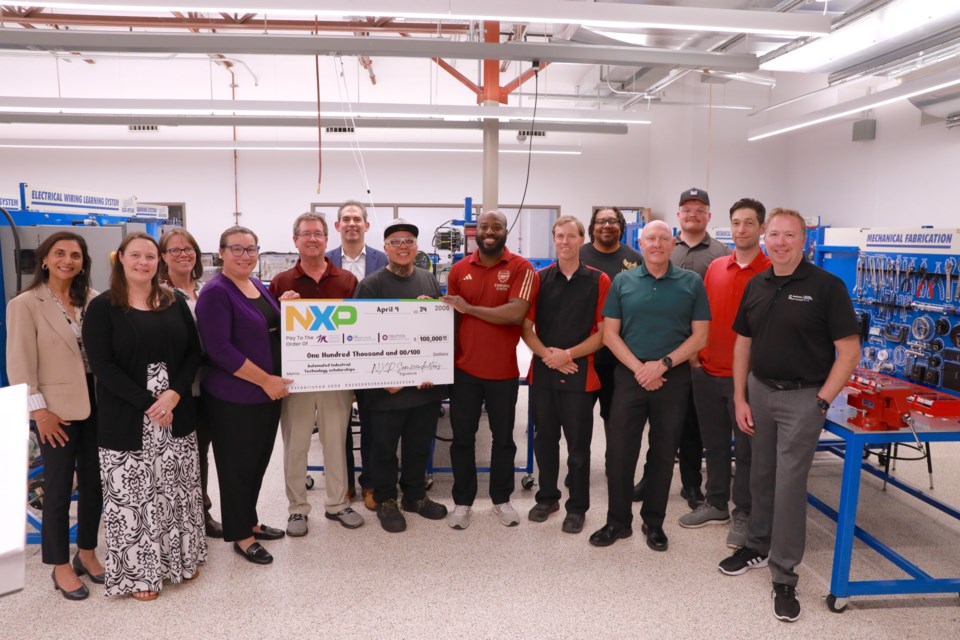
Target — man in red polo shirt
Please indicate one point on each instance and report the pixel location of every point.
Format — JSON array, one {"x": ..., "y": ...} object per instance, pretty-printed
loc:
[
  {"x": 315, "y": 276},
  {"x": 725, "y": 280},
  {"x": 492, "y": 290}
]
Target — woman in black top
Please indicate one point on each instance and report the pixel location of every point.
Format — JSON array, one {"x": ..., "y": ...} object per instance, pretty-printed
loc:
[{"x": 144, "y": 350}]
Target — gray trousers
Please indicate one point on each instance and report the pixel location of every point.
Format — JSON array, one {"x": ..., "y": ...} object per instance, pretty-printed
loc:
[
  {"x": 788, "y": 426},
  {"x": 718, "y": 424}
]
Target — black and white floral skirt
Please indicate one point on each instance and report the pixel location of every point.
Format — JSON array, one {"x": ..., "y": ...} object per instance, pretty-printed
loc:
[{"x": 152, "y": 507}]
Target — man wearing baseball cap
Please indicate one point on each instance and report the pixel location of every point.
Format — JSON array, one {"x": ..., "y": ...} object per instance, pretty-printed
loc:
[
  {"x": 404, "y": 416},
  {"x": 695, "y": 250}
]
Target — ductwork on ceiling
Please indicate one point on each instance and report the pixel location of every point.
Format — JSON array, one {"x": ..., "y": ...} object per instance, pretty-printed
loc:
[{"x": 943, "y": 104}]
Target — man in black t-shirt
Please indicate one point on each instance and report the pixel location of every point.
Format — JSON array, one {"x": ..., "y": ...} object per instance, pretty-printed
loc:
[
  {"x": 402, "y": 415},
  {"x": 796, "y": 347},
  {"x": 606, "y": 253}
]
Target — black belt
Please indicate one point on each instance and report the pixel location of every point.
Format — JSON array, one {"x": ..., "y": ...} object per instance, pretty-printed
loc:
[{"x": 788, "y": 385}]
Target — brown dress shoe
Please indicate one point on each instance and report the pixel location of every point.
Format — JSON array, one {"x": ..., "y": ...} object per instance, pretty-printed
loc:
[{"x": 368, "y": 500}]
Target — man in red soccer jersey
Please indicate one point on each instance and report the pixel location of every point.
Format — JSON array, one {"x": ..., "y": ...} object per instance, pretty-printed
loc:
[{"x": 492, "y": 290}]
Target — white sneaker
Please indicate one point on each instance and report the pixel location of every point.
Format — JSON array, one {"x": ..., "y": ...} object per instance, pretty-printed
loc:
[
  {"x": 459, "y": 518},
  {"x": 507, "y": 514}
]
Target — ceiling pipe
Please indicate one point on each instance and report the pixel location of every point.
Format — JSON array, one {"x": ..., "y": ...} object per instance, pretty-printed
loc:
[
  {"x": 233, "y": 43},
  {"x": 224, "y": 24}
]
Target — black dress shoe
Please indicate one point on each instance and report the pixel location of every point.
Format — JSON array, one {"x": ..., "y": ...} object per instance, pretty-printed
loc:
[
  {"x": 214, "y": 528},
  {"x": 656, "y": 538},
  {"x": 268, "y": 533},
  {"x": 609, "y": 534},
  {"x": 79, "y": 569},
  {"x": 693, "y": 495},
  {"x": 638, "y": 490},
  {"x": 255, "y": 553},
  {"x": 76, "y": 594}
]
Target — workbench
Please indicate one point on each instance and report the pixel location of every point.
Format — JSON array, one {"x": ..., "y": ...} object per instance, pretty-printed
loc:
[{"x": 850, "y": 447}]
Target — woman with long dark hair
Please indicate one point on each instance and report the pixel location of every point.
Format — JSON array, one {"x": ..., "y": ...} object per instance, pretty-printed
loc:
[
  {"x": 45, "y": 351},
  {"x": 144, "y": 350}
]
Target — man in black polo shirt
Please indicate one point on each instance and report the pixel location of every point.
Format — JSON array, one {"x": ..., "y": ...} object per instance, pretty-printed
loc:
[
  {"x": 796, "y": 347},
  {"x": 567, "y": 317}
]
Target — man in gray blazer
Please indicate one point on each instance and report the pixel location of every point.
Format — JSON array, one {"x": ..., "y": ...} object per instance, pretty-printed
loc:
[{"x": 356, "y": 257}]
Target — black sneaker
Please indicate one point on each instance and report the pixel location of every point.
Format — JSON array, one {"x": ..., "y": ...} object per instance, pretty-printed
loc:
[
  {"x": 542, "y": 510},
  {"x": 427, "y": 508},
  {"x": 742, "y": 560},
  {"x": 786, "y": 607},
  {"x": 392, "y": 521},
  {"x": 573, "y": 523}
]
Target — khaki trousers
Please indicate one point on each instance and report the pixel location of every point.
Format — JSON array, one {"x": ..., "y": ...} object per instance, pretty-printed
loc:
[{"x": 330, "y": 412}]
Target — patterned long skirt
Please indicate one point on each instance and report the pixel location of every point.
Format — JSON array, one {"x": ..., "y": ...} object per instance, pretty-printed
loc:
[{"x": 152, "y": 508}]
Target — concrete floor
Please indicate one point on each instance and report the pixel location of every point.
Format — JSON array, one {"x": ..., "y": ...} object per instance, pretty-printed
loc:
[{"x": 529, "y": 581}]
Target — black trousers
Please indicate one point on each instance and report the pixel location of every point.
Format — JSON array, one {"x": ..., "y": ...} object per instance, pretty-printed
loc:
[
  {"x": 203, "y": 448},
  {"x": 605, "y": 395},
  {"x": 632, "y": 407},
  {"x": 718, "y": 425},
  {"x": 80, "y": 453},
  {"x": 243, "y": 438},
  {"x": 572, "y": 412},
  {"x": 366, "y": 443},
  {"x": 467, "y": 396},
  {"x": 689, "y": 449},
  {"x": 413, "y": 430}
]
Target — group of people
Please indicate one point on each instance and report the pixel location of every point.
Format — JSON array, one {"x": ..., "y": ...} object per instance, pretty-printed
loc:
[{"x": 703, "y": 343}]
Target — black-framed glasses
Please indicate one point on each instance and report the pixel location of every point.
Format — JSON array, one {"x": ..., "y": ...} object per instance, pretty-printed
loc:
[
  {"x": 312, "y": 235},
  {"x": 175, "y": 252},
  {"x": 607, "y": 222},
  {"x": 401, "y": 242},
  {"x": 237, "y": 250}
]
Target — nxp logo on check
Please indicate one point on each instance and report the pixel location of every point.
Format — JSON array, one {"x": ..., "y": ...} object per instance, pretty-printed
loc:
[{"x": 317, "y": 317}]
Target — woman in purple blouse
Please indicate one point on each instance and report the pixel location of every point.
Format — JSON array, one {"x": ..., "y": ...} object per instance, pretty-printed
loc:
[{"x": 239, "y": 324}]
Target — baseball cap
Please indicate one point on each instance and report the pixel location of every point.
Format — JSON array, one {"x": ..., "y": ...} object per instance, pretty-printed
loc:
[
  {"x": 695, "y": 194},
  {"x": 401, "y": 225}
]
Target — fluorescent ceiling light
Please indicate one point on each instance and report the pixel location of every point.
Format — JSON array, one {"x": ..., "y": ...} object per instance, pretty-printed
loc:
[
  {"x": 751, "y": 78},
  {"x": 177, "y": 145},
  {"x": 160, "y": 107},
  {"x": 609, "y": 15},
  {"x": 886, "y": 23},
  {"x": 929, "y": 84}
]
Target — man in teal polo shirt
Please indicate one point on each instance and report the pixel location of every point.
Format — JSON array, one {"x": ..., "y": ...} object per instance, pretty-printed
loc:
[{"x": 655, "y": 319}]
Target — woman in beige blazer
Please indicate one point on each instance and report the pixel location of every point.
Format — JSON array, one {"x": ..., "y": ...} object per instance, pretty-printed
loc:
[{"x": 45, "y": 352}]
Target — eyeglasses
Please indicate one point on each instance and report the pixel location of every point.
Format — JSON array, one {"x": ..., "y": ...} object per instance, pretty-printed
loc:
[
  {"x": 238, "y": 250},
  {"x": 607, "y": 222},
  {"x": 189, "y": 251},
  {"x": 401, "y": 242},
  {"x": 312, "y": 235},
  {"x": 694, "y": 212}
]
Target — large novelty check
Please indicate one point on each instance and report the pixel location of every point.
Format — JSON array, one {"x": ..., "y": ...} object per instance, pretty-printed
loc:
[{"x": 328, "y": 345}]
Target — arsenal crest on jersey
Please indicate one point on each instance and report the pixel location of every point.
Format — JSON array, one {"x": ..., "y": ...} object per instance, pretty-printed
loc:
[{"x": 503, "y": 276}]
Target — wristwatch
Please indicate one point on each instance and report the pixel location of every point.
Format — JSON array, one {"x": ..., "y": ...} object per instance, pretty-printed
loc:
[
  {"x": 667, "y": 362},
  {"x": 823, "y": 404}
]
